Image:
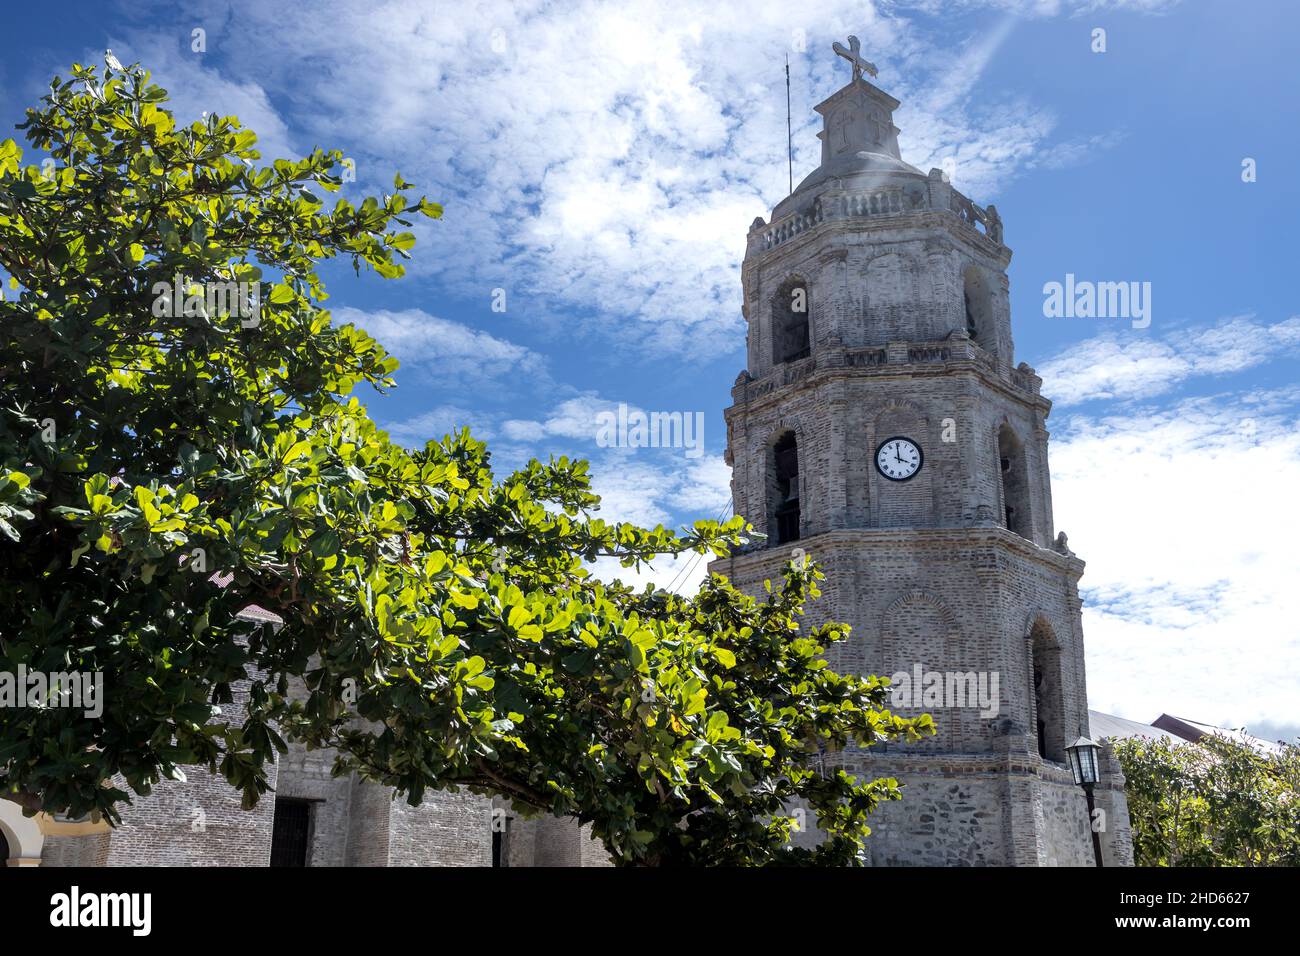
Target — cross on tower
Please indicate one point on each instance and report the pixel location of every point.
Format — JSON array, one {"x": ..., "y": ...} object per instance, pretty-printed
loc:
[{"x": 854, "y": 57}]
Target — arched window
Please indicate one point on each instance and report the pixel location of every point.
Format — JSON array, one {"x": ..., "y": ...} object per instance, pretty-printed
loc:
[
  {"x": 500, "y": 838},
  {"x": 791, "y": 307},
  {"x": 291, "y": 832},
  {"x": 1015, "y": 482},
  {"x": 1045, "y": 658},
  {"x": 783, "y": 490},
  {"x": 978, "y": 304}
]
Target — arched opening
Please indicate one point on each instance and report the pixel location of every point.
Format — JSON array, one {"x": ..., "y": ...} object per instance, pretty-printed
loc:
[
  {"x": 783, "y": 490},
  {"x": 890, "y": 297},
  {"x": 4, "y": 849},
  {"x": 978, "y": 303},
  {"x": 921, "y": 651},
  {"x": 1014, "y": 475},
  {"x": 500, "y": 839},
  {"x": 791, "y": 307},
  {"x": 1049, "y": 709},
  {"x": 291, "y": 832}
]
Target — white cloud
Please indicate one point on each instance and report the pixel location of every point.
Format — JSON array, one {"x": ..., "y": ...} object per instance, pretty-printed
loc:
[
  {"x": 601, "y": 162},
  {"x": 682, "y": 574},
  {"x": 1046, "y": 8},
  {"x": 1084, "y": 7},
  {"x": 195, "y": 89},
  {"x": 574, "y": 418},
  {"x": 580, "y": 418},
  {"x": 1076, "y": 152},
  {"x": 651, "y": 490},
  {"x": 457, "y": 354},
  {"x": 1134, "y": 365},
  {"x": 1185, "y": 518},
  {"x": 651, "y": 486},
  {"x": 437, "y": 422},
  {"x": 646, "y": 486},
  {"x": 524, "y": 431}
]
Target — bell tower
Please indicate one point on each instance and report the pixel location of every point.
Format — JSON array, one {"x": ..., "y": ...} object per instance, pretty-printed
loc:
[{"x": 882, "y": 429}]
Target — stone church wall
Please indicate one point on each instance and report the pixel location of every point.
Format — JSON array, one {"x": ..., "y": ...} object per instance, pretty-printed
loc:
[
  {"x": 198, "y": 821},
  {"x": 941, "y": 821}
]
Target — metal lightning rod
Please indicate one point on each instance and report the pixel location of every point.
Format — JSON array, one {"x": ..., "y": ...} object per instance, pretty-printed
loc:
[{"x": 789, "y": 137}]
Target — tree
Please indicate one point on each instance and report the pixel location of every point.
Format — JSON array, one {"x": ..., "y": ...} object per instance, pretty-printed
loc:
[
  {"x": 1215, "y": 802},
  {"x": 180, "y": 440}
]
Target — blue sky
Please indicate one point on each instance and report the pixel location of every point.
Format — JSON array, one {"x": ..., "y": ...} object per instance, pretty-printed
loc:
[{"x": 601, "y": 163}]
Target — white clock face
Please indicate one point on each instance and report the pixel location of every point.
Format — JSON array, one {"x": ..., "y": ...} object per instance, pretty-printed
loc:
[{"x": 898, "y": 458}]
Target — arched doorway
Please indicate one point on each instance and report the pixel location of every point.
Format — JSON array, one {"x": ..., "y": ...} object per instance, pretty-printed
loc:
[
  {"x": 783, "y": 490},
  {"x": 978, "y": 307},
  {"x": 790, "y": 330},
  {"x": 1047, "y": 691},
  {"x": 1014, "y": 473}
]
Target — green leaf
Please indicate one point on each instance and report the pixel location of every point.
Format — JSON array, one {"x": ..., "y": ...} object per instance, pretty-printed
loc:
[
  {"x": 145, "y": 499},
  {"x": 461, "y": 599},
  {"x": 325, "y": 544},
  {"x": 300, "y": 449}
]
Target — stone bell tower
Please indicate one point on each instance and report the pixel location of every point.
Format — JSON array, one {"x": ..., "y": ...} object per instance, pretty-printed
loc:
[{"x": 882, "y": 428}]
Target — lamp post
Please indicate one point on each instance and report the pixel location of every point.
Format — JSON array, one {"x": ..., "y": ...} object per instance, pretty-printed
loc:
[{"x": 1083, "y": 764}]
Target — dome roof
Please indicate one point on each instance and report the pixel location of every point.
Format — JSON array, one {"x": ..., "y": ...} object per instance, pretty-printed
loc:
[
  {"x": 861, "y": 170},
  {"x": 859, "y": 145}
]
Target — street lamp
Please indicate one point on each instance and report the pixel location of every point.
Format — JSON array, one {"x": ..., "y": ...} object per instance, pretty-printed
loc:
[{"x": 1083, "y": 764}]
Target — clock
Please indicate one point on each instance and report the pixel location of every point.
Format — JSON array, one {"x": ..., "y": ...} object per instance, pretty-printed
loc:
[{"x": 899, "y": 458}]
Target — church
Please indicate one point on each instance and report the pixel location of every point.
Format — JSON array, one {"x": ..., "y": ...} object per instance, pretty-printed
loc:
[{"x": 881, "y": 428}]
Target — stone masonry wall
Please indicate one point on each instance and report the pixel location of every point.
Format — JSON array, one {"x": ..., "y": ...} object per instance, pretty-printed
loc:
[{"x": 198, "y": 821}]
